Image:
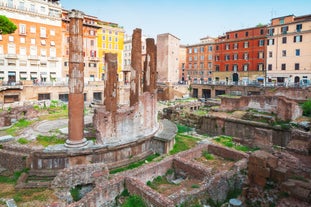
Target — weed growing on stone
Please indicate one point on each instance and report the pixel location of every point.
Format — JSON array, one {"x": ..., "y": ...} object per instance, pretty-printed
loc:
[
  {"x": 134, "y": 201},
  {"x": 13, "y": 178},
  {"x": 23, "y": 141},
  {"x": 75, "y": 193},
  {"x": 228, "y": 142},
  {"x": 207, "y": 155}
]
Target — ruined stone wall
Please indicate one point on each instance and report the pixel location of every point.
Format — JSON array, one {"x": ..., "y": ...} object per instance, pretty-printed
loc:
[
  {"x": 250, "y": 133},
  {"x": 284, "y": 108},
  {"x": 103, "y": 194},
  {"x": 151, "y": 197},
  {"x": 13, "y": 161}
]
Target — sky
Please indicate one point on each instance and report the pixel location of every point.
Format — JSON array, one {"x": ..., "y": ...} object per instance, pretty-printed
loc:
[{"x": 188, "y": 20}]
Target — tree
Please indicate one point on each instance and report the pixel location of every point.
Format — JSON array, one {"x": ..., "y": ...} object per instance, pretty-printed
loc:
[{"x": 6, "y": 26}]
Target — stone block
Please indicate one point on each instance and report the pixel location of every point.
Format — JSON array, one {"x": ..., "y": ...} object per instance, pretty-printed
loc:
[
  {"x": 279, "y": 174},
  {"x": 300, "y": 193},
  {"x": 259, "y": 171},
  {"x": 258, "y": 180}
]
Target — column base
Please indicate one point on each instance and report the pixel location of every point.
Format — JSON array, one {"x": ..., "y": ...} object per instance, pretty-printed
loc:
[{"x": 76, "y": 144}]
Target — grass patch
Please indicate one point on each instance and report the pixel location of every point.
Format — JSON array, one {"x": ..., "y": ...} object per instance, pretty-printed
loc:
[
  {"x": 157, "y": 181},
  {"x": 183, "y": 129},
  {"x": 182, "y": 143},
  {"x": 134, "y": 201},
  {"x": 75, "y": 193},
  {"x": 12, "y": 179},
  {"x": 49, "y": 140},
  {"x": 200, "y": 112},
  {"x": 228, "y": 142},
  {"x": 306, "y": 107},
  {"x": 23, "y": 141},
  {"x": 22, "y": 123},
  {"x": 135, "y": 164},
  {"x": 195, "y": 186},
  {"x": 207, "y": 155}
]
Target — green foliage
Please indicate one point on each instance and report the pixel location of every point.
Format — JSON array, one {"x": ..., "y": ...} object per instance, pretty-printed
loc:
[
  {"x": 195, "y": 186},
  {"x": 125, "y": 193},
  {"x": 135, "y": 164},
  {"x": 306, "y": 107},
  {"x": 228, "y": 142},
  {"x": 22, "y": 123},
  {"x": 183, "y": 129},
  {"x": 134, "y": 201},
  {"x": 6, "y": 26},
  {"x": 49, "y": 140},
  {"x": 23, "y": 141},
  {"x": 207, "y": 155},
  {"x": 157, "y": 181},
  {"x": 169, "y": 171},
  {"x": 75, "y": 193},
  {"x": 12, "y": 179}
]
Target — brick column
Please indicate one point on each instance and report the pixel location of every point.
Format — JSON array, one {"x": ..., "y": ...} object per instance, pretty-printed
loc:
[
  {"x": 150, "y": 67},
  {"x": 76, "y": 82},
  {"x": 136, "y": 67}
]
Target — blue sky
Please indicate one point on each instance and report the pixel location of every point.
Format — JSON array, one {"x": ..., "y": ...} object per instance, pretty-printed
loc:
[{"x": 189, "y": 20}]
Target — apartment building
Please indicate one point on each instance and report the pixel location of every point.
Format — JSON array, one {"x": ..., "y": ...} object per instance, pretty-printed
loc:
[
  {"x": 33, "y": 52},
  {"x": 90, "y": 51},
  {"x": 199, "y": 61},
  {"x": 182, "y": 63},
  {"x": 240, "y": 56},
  {"x": 167, "y": 58},
  {"x": 110, "y": 39},
  {"x": 289, "y": 50}
]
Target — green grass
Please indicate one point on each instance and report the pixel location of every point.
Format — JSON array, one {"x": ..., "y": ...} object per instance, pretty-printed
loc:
[
  {"x": 200, "y": 112},
  {"x": 183, "y": 129},
  {"x": 207, "y": 155},
  {"x": 22, "y": 123},
  {"x": 23, "y": 141},
  {"x": 49, "y": 140},
  {"x": 134, "y": 164},
  {"x": 228, "y": 142},
  {"x": 306, "y": 107},
  {"x": 12, "y": 179},
  {"x": 183, "y": 143},
  {"x": 157, "y": 181},
  {"x": 75, "y": 193},
  {"x": 134, "y": 201}
]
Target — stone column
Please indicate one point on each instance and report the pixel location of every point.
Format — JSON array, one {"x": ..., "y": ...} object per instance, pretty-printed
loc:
[
  {"x": 136, "y": 67},
  {"x": 111, "y": 85},
  {"x": 76, "y": 82},
  {"x": 150, "y": 67}
]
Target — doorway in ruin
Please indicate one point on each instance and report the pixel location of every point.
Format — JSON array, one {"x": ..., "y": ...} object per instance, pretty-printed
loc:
[
  {"x": 195, "y": 93},
  {"x": 206, "y": 93}
]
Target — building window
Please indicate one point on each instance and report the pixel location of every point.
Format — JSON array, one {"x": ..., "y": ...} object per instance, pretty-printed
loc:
[
  {"x": 43, "y": 42},
  {"x": 245, "y": 44},
  {"x": 270, "y": 32},
  {"x": 270, "y": 54},
  {"x": 236, "y": 35},
  {"x": 283, "y": 67},
  {"x": 43, "y": 96},
  {"x": 22, "y": 40},
  {"x": 298, "y": 38},
  {"x": 235, "y": 46},
  {"x": 22, "y": 29},
  {"x": 43, "y": 32},
  {"x": 217, "y": 47},
  {"x": 217, "y": 68},
  {"x": 227, "y": 57},
  {"x": 227, "y": 67},
  {"x": 246, "y": 34},
  {"x": 116, "y": 39},
  {"x": 260, "y": 54},
  {"x": 246, "y": 56},
  {"x": 190, "y": 50},
  {"x": 209, "y": 65},
  {"x": 201, "y": 49},
  {"x": 109, "y": 39},
  {"x": 104, "y": 45},
  {"x": 245, "y": 67},
  {"x": 202, "y": 57},
  {"x": 260, "y": 67},
  {"x": 210, "y": 48},
  {"x": 33, "y": 30},
  {"x": 261, "y": 31},
  {"x": 33, "y": 41},
  {"x": 190, "y": 66},
  {"x": 281, "y": 20},
  {"x": 235, "y": 56},
  {"x": 195, "y": 58},
  {"x": 298, "y": 27},
  {"x": 270, "y": 67},
  {"x": 190, "y": 58},
  {"x": 235, "y": 68},
  {"x": 195, "y": 50},
  {"x": 227, "y": 46},
  {"x": 297, "y": 52},
  {"x": 52, "y": 52},
  {"x": 270, "y": 42},
  {"x": 284, "y": 40},
  {"x": 43, "y": 52},
  {"x": 52, "y": 32},
  {"x": 11, "y": 49},
  {"x": 217, "y": 58},
  {"x": 22, "y": 51},
  {"x": 296, "y": 66},
  {"x": 283, "y": 53},
  {"x": 284, "y": 30},
  {"x": 11, "y": 38},
  {"x": 195, "y": 66},
  {"x": 261, "y": 42},
  {"x": 210, "y": 57},
  {"x": 201, "y": 65}
]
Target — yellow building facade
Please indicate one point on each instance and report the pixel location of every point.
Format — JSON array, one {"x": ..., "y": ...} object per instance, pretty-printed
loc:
[{"x": 110, "y": 40}]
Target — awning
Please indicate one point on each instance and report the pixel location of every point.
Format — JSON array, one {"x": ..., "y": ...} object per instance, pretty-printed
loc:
[
  {"x": 23, "y": 75},
  {"x": 33, "y": 75},
  {"x": 11, "y": 73},
  {"x": 260, "y": 78},
  {"x": 53, "y": 75}
]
